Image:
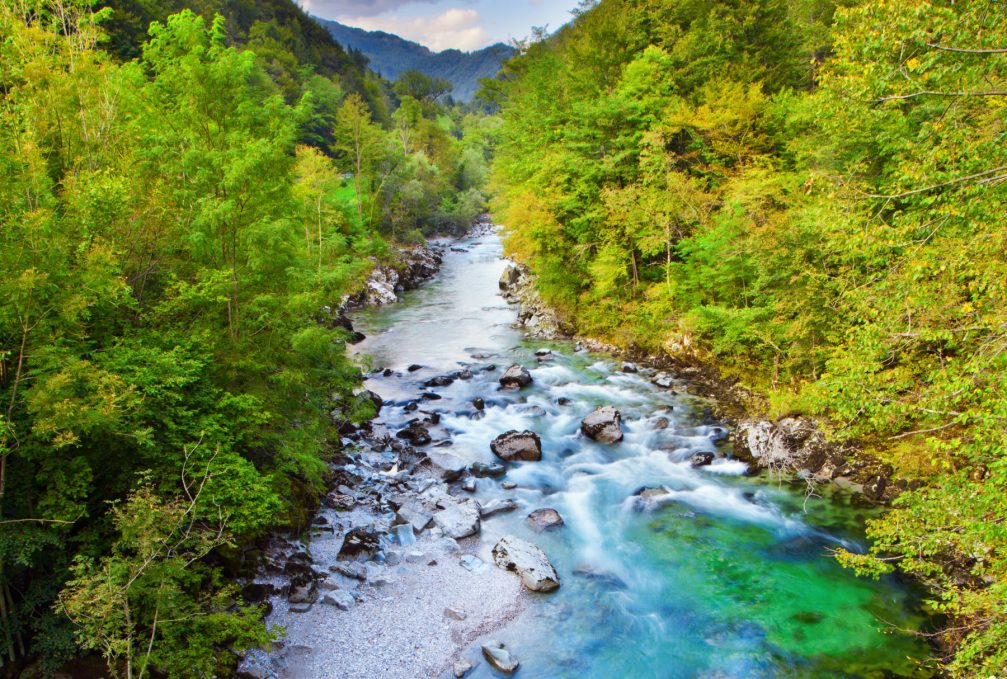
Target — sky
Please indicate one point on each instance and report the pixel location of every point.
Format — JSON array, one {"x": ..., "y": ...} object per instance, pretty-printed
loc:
[{"x": 442, "y": 24}]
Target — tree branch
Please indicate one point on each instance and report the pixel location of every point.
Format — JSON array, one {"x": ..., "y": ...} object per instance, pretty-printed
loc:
[
  {"x": 967, "y": 50},
  {"x": 935, "y": 93}
]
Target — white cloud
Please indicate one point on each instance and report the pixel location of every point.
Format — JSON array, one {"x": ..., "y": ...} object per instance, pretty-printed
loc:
[
  {"x": 458, "y": 28},
  {"x": 357, "y": 8}
]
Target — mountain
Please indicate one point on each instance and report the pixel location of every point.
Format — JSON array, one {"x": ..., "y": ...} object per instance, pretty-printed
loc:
[{"x": 391, "y": 55}]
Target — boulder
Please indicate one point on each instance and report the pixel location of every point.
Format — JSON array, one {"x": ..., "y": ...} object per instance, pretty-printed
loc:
[
  {"x": 517, "y": 445},
  {"x": 460, "y": 520},
  {"x": 510, "y": 276},
  {"x": 305, "y": 594},
  {"x": 415, "y": 515},
  {"x": 528, "y": 561},
  {"x": 515, "y": 377},
  {"x": 603, "y": 425},
  {"x": 545, "y": 519},
  {"x": 449, "y": 466},
  {"x": 358, "y": 542},
  {"x": 701, "y": 459},
  {"x": 661, "y": 423},
  {"x": 341, "y": 599},
  {"x": 478, "y": 403},
  {"x": 499, "y": 657},
  {"x": 662, "y": 380},
  {"x": 415, "y": 433}
]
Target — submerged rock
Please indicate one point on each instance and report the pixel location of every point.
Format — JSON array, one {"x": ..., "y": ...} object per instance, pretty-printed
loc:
[
  {"x": 461, "y": 668},
  {"x": 517, "y": 445},
  {"x": 603, "y": 425},
  {"x": 528, "y": 561},
  {"x": 491, "y": 470},
  {"x": 545, "y": 519},
  {"x": 515, "y": 377},
  {"x": 701, "y": 459},
  {"x": 460, "y": 520},
  {"x": 499, "y": 657}
]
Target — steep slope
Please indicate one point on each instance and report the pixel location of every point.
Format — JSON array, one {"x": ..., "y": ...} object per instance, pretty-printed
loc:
[{"x": 391, "y": 55}]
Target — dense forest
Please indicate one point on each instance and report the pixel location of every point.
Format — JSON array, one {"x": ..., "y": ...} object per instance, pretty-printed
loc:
[
  {"x": 812, "y": 195},
  {"x": 188, "y": 197}
]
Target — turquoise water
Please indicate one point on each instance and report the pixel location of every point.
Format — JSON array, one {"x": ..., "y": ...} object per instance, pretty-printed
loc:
[{"x": 719, "y": 575}]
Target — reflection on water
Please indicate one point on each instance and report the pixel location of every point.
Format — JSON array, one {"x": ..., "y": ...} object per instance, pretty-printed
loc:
[{"x": 709, "y": 573}]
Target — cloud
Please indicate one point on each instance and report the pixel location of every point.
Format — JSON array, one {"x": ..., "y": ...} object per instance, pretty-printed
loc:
[
  {"x": 356, "y": 8},
  {"x": 455, "y": 28}
]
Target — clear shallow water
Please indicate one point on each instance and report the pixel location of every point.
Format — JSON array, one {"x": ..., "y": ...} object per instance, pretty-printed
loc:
[{"x": 722, "y": 576}]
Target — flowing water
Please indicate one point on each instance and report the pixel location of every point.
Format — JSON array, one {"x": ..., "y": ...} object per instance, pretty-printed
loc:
[{"x": 719, "y": 575}]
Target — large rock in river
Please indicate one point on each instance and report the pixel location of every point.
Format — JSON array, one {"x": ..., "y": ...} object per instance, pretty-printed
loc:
[
  {"x": 544, "y": 519},
  {"x": 604, "y": 425},
  {"x": 499, "y": 657},
  {"x": 528, "y": 561},
  {"x": 515, "y": 377},
  {"x": 517, "y": 445},
  {"x": 460, "y": 520}
]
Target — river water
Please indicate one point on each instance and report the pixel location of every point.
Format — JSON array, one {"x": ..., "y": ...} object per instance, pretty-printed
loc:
[{"x": 719, "y": 575}]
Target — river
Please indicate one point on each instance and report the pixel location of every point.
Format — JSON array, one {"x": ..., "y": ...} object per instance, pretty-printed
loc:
[{"x": 722, "y": 576}]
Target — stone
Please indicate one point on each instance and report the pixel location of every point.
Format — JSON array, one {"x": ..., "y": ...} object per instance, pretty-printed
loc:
[
  {"x": 439, "y": 381},
  {"x": 460, "y": 520},
  {"x": 472, "y": 563},
  {"x": 359, "y": 541},
  {"x": 300, "y": 608},
  {"x": 415, "y": 556},
  {"x": 528, "y": 561},
  {"x": 629, "y": 368},
  {"x": 454, "y": 614},
  {"x": 328, "y": 584},
  {"x": 414, "y": 515},
  {"x": 499, "y": 657},
  {"x": 508, "y": 485},
  {"x": 341, "y": 599},
  {"x": 510, "y": 276},
  {"x": 416, "y": 434},
  {"x": 491, "y": 470},
  {"x": 305, "y": 594},
  {"x": 661, "y": 423},
  {"x": 662, "y": 380},
  {"x": 603, "y": 425},
  {"x": 461, "y": 668},
  {"x": 450, "y": 466},
  {"x": 469, "y": 486},
  {"x": 414, "y": 367},
  {"x": 515, "y": 445},
  {"x": 515, "y": 377},
  {"x": 495, "y": 507},
  {"x": 404, "y": 535},
  {"x": 545, "y": 519},
  {"x": 478, "y": 403},
  {"x": 701, "y": 459}
]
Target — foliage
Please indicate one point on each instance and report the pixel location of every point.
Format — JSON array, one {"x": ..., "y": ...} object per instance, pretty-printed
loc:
[{"x": 815, "y": 196}]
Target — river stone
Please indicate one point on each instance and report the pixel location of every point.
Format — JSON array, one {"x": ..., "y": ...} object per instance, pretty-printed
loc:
[
  {"x": 661, "y": 423},
  {"x": 491, "y": 470},
  {"x": 416, "y": 433},
  {"x": 414, "y": 515},
  {"x": 341, "y": 599},
  {"x": 460, "y": 520},
  {"x": 528, "y": 561},
  {"x": 305, "y": 594},
  {"x": 701, "y": 459},
  {"x": 545, "y": 519},
  {"x": 461, "y": 668},
  {"x": 517, "y": 445},
  {"x": 359, "y": 541},
  {"x": 509, "y": 277},
  {"x": 515, "y": 377},
  {"x": 603, "y": 425},
  {"x": 450, "y": 466},
  {"x": 499, "y": 657},
  {"x": 495, "y": 507},
  {"x": 478, "y": 403}
]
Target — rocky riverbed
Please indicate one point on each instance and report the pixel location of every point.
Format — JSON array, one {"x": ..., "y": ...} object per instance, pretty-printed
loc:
[{"x": 550, "y": 511}]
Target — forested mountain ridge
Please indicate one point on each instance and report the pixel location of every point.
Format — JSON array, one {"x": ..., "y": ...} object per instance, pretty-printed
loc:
[
  {"x": 391, "y": 56},
  {"x": 177, "y": 234},
  {"x": 812, "y": 195}
]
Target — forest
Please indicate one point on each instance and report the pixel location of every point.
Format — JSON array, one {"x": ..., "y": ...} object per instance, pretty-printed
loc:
[
  {"x": 807, "y": 194},
  {"x": 187, "y": 199},
  {"x": 812, "y": 195}
]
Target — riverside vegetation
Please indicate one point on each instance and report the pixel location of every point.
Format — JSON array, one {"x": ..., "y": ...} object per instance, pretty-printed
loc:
[
  {"x": 811, "y": 193},
  {"x": 188, "y": 198}
]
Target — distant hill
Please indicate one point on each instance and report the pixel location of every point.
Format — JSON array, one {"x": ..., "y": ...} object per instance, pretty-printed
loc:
[{"x": 390, "y": 55}]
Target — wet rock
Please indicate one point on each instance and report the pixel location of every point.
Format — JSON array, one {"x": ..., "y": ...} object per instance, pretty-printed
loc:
[
  {"x": 414, "y": 367},
  {"x": 430, "y": 396},
  {"x": 515, "y": 377},
  {"x": 478, "y": 403},
  {"x": 545, "y": 519},
  {"x": 543, "y": 355},
  {"x": 494, "y": 507},
  {"x": 528, "y": 561},
  {"x": 701, "y": 459},
  {"x": 341, "y": 599},
  {"x": 491, "y": 470},
  {"x": 460, "y": 520},
  {"x": 508, "y": 485},
  {"x": 629, "y": 368},
  {"x": 439, "y": 381},
  {"x": 499, "y": 657},
  {"x": 415, "y": 433},
  {"x": 603, "y": 425},
  {"x": 469, "y": 486},
  {"x": 359, "y": 542},
  {"x": 563, "y": 401},
  {"x": 461, "y": 668},
  {"x": 517, "y": 445},
  {"x": 661, "y": 423},
  {"x": 591, "y": 572},
  {"x": 662, "y": 380}
]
